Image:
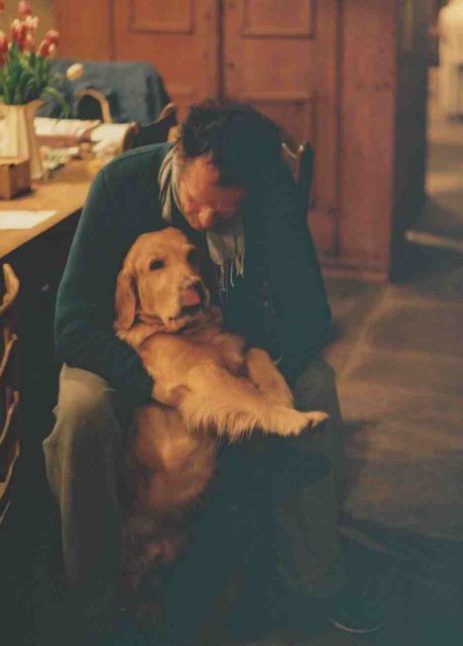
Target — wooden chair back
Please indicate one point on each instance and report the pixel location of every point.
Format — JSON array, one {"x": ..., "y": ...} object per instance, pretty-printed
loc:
[
  {"x": 301, "y": 161},
  {"x": 158, "y": 131},
  {"x": 9, "y": 394}
]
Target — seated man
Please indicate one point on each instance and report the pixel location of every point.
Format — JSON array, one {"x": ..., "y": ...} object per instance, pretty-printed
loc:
[{"x": 225, "y": 185}]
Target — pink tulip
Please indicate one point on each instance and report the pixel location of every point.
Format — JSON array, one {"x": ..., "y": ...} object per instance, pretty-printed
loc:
[
  {"x": 52, "y": 36},
  {"x": 3, "y": 43},
  {"x": 24, "y": 9}
]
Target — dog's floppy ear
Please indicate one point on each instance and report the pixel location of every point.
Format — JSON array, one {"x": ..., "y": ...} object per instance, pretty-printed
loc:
[{"x": 126, "y": 300}]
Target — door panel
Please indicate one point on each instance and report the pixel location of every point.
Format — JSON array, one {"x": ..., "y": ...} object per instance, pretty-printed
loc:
[
  {"x": 282, "y": 58},
  {"x": 263, "y": 18},
  {"x": 76, "y": 39},
  {"x": 180, "y": 37}
]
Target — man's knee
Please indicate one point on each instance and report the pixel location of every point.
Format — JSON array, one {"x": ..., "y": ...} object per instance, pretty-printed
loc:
[
  {"x": 315, "y": 387},
  {"x": 85, "y": 410},
  {"x": 87, "y": 429}
]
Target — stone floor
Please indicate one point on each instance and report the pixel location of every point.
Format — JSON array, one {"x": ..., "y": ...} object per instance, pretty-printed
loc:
[{"x": 400, "y": 375}]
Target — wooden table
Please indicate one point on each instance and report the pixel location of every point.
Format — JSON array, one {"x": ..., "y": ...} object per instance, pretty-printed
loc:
[
  {"x": 64, "y": 192},
  {"x": 38, "y": 256}
]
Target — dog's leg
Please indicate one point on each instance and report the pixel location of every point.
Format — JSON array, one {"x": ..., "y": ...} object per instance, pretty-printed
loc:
[
  {"x": 215, "y": 399},
  {"x": 265, "y": 376}
]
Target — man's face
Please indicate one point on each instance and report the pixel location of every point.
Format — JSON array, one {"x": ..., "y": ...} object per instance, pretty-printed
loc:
[{"x": 205, "y": 204}]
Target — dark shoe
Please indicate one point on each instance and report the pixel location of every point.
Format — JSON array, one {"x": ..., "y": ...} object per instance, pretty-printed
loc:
[{"x": 355, "y": 614}]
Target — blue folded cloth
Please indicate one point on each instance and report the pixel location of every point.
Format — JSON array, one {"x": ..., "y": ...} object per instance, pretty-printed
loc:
[{"x": 135, "y": 90}]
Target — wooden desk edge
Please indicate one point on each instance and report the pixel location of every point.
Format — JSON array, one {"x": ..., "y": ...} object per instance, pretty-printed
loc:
[{"x": 66, "y": 193}]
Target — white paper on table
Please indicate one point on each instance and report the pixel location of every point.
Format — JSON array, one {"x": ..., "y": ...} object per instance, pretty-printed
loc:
[
  {"x": 110, "y": 131},
  {"x": 23, "y": 219},
  {"x": 78, "y": 128}
]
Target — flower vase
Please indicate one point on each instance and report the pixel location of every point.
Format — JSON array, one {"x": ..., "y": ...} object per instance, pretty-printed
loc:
[{"x": 18, "y": 137}]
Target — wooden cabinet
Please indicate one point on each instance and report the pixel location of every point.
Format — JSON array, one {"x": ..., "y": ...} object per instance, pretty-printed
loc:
[
  {"x": 180, "y": 37},
  {"x": 328, "y": 71},
  {"x": 284, "y": 61}
]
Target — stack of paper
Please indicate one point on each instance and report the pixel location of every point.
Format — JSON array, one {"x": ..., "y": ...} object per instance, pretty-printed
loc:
[
  {"x": 109, "y": 138},
  {"x": 63, "y": 132}
]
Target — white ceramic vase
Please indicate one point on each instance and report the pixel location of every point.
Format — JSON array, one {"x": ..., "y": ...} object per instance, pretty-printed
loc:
[{"x": 18, "y": 137}]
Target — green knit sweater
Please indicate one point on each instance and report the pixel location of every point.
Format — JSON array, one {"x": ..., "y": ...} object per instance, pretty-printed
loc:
[{"x": 279, "y": 303}]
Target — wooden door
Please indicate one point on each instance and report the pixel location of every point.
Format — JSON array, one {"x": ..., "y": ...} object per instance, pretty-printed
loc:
[
  {"x": 85, "y": 30},
  {"x": 180, "y": 37},
  {"x": 282, "y": 57}
]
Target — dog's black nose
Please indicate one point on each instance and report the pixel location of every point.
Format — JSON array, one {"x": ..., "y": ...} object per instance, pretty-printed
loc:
[
  {"x": 197, "y": 286},
  {"x": 193, "y": 293}
]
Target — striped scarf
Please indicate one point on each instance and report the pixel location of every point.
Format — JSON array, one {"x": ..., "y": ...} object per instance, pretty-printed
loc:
[{"x": 226, "y": 248}]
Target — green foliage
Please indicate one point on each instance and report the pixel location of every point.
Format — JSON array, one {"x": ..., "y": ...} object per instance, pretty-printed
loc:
[{"x": 25, "y": 76}]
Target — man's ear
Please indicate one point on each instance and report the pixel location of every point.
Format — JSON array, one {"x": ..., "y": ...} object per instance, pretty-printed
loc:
[{"x": 126, "y": 300}]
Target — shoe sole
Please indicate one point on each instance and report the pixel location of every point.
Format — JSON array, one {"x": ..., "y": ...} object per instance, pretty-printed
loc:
[{"x": 354, "y": 631}]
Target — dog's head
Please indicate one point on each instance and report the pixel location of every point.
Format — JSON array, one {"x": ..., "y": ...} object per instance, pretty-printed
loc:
[{"x": 160, "y": 283}]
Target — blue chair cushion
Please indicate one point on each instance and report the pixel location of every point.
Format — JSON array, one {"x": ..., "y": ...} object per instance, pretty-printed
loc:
[{"x": 135, "y": 90}]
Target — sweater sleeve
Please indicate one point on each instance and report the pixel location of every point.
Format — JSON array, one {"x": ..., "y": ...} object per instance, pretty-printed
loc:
[
  {"x": 297, "y": 293},
  {"x": 85, "y": 303}
]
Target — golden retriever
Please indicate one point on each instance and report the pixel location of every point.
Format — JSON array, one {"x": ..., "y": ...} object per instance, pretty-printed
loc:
[{"x": 206, "y": 383}]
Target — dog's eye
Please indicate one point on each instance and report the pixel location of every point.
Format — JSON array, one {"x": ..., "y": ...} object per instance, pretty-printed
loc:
[
  {"x": 193, "y": 257},
  {"x": 157, "y": 264}
]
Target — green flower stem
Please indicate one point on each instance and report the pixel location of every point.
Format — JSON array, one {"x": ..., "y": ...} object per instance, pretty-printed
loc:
[{"x": 25, "y": 76}]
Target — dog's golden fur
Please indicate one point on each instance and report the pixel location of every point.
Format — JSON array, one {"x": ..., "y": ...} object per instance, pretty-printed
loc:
[{"x": 207, "y": 383}]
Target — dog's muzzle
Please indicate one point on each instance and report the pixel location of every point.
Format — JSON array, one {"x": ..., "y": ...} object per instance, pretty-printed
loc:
[{"x": 193, "y": 296}]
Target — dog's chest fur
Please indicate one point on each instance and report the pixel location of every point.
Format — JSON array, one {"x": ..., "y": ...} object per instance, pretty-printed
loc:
[{"x": 200, "y": 345}]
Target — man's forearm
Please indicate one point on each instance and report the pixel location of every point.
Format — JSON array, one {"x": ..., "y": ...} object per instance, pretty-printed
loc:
[{"x": 90, "y": 348}]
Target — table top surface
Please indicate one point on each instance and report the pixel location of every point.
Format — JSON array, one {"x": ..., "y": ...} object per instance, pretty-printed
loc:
[{"x": 64, "y": 192}]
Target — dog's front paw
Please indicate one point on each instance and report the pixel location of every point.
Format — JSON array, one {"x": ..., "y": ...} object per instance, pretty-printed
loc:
[
  {"x": 315, "y": 418},
  {"x": 287, "y": 421}
]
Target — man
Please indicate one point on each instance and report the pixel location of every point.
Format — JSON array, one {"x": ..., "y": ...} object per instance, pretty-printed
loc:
[{"x": 224, "y": 184}]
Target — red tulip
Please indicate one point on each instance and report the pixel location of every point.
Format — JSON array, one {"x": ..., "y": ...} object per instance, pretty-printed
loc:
[
  {"x": 44, "y": 48},
  {"x": 29, "y": 43},
  {"x": 2, "y": 5},
  {"x": 24, "y": 9},
  {"x": 3, "y": 43},
  {"x": 52, "y": 36},
  {"x": 18, "y": 31}
]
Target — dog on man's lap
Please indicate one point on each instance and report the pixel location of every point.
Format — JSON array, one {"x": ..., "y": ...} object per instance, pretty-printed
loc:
[{"x": 207, "y": 385}]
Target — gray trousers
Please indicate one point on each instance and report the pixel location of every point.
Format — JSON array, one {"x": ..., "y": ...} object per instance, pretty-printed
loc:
[{"x": 282, "y": 492}]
